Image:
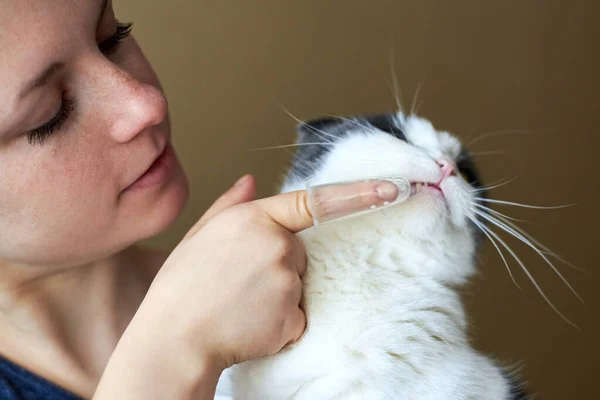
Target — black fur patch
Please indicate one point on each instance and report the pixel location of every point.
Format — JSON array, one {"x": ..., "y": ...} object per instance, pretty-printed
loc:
[
  {"x": 322, "y": 132},
  {"x": 318, "y": 135},
  {"x": 466, "y": 166},
  {"x": 386, "y": 123}
]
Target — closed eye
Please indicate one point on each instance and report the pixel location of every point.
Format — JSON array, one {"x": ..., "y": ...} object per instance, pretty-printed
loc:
[
  {"x": 107, "y": 47},
  {"x": 468, "y": 173},
  {"x": 467, "y": 169},
  {"x": 464, "y": 174},
  {"x": 40, "y": 134}
]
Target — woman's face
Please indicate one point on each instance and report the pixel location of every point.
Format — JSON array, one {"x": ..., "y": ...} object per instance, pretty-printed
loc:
[{"x": 82, "y": 117}]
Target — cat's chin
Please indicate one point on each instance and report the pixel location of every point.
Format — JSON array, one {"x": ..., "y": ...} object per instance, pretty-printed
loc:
[{"x": 422, "y": 215}]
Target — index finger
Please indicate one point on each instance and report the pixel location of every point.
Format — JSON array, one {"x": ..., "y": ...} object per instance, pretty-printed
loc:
[{"x": 297, "y": 211}]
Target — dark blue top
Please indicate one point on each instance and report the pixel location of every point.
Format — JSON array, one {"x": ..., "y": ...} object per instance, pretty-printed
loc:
[{"x": 16, "y": 383}]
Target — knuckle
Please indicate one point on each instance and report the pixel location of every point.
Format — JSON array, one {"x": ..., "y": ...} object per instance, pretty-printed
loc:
[
  {"x": 282, "y": 248},
  {"x": 367, "y": 200},
  {"x": 300, "y": 205}
]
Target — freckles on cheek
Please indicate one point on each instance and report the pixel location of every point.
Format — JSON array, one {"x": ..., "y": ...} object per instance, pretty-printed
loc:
[
  {"x": 81, "y": 176},
  {"x": 68, "y": 177},
  {"x": 80, "y": 194},
  {"x": 55, "y": 198}
]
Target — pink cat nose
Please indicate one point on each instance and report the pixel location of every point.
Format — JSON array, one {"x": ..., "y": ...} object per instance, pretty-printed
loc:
[{"x": 448, "y": 166}]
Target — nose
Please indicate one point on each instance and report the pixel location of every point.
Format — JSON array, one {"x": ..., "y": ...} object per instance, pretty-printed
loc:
[
  {"x": 448, "y": 167},
  {"x": 135, "y": 106}
]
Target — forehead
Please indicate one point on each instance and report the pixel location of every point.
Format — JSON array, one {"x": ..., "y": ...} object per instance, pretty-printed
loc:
[
  {"x": 320, "y": 136},
  {"x": 412, "y": 130},
  {"x": 422, "y": 133},
  {"x": 40, "y": 25},
  {"x": 35, "y": 33}
]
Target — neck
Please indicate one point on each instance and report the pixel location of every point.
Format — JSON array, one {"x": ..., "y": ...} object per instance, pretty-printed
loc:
[
  {"x": 64, "y": 323},
  {"x": 404, "y": 276}
]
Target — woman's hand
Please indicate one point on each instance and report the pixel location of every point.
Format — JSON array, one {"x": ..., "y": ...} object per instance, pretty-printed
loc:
[
  {"x": 232, "y": 288},
  {"x": 228, "y": 293}
]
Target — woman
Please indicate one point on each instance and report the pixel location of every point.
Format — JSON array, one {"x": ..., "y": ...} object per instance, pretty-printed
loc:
[{"x": 86, "y": 171}]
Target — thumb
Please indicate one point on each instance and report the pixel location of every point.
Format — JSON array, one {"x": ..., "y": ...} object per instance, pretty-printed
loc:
[
  {"x": 292, "y": 211},
  {"x": 289, "y": 210},
  {"x": 242, "y": 191}
]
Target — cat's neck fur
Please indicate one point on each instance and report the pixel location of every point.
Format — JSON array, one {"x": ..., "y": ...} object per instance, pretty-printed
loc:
[{"x": 381, "y": 305}]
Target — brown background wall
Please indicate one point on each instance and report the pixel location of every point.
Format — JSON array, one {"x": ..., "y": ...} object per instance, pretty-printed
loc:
[{"x": 489, "y": 65}]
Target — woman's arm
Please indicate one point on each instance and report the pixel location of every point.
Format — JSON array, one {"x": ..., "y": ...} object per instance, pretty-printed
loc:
[
  {"x": 230, "y": 292},
  {"x": 148, "y": 363}
]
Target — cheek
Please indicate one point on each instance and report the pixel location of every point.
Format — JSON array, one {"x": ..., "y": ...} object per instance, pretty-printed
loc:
[
  {"x": 74, "y": 171},
  {"x": 52, "y": 203},
  {"x": 421, "y": 217}
]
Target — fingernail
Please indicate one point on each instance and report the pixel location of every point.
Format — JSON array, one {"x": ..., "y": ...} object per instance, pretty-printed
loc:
[
  {"x": 242, "y": 180},
  {"x": 387, "y": 191}
]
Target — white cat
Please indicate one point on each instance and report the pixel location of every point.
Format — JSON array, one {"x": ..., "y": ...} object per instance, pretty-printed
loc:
[{"x": 384, "y": 320}]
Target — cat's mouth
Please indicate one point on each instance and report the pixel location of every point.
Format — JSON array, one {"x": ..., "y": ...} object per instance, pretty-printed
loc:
[{"x": 418, "y": 187}]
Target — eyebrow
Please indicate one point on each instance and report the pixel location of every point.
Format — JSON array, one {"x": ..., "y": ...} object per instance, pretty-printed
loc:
[{"x": 43, "y": 78}]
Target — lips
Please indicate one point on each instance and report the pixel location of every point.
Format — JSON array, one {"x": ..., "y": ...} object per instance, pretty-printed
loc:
[{"x": 151, "y": 165}]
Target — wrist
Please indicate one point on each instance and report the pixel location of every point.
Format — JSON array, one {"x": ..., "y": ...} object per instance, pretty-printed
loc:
[{"x": 153, "y": 363}]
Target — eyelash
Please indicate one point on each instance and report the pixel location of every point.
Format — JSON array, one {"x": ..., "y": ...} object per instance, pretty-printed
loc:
[
  {"x": 108, "y": 47},
  {"x": 41, "y": 133}
]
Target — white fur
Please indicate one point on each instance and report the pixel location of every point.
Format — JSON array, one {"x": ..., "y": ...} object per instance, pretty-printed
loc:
[{"x": 383, "y": 318}]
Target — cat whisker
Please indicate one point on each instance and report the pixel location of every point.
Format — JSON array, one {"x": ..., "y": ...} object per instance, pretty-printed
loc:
[
  {"x": 419, "y": 106},
  {"x": 395, "y": 88},
  {"x": 540, "y": 246},
  {"x": 352, "y": 121},
  {"x": 497, "y": 213},
  {"x": 355, "y": 122},
  {"x": 526, "y": 241},
  {"x": 305, "y": 168},
  {"x": 292, "y": 145},
  {"x": 479, "y": 225},
  {"x": 493, "y": 186},
  {"x": 510, "y": 203},
  {"x": 533, "y": 281},
  {"x": 317, "y": 131},
  {"x": 298, "y": 120},
  {"x": 502, "y": 132},
  {"x": 416, "y": 97}
]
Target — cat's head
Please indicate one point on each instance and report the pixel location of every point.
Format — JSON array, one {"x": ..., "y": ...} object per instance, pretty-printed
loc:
[{"x": 435, "y": 162}]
